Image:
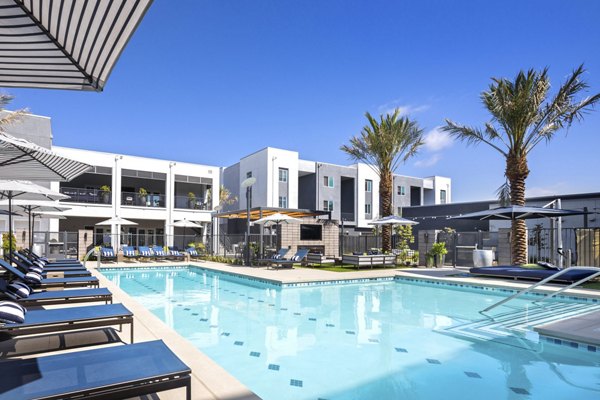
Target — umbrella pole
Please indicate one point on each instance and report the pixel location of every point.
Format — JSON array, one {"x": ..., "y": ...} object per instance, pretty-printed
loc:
[
  {"x": 30, "y": 227},
  {"x": 9, "y": 225}
]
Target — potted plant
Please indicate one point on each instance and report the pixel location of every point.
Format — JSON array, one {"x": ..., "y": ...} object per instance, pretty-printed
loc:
[
  {"x": 191, "y": 200},
  {"x": 439, "y": 251},
  {"x": 143, "y": 195},
  {"x": 105, "y": 193}
]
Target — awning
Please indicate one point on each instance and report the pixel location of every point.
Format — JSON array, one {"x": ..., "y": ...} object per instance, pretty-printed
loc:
[
  {"x": 20, "y": 159},
  {"x": 261, "y": 212},
  {"x": 64, "y": 44}
]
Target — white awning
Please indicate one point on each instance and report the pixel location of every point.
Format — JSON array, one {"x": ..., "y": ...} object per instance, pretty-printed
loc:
[{"x": 64, "y": 44}]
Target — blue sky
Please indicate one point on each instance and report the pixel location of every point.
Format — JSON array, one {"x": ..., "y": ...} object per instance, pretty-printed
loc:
[{"x": 211, "y": 81}]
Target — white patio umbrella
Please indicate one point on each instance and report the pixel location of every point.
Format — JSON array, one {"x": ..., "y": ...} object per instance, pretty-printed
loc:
[
  {"x": 276, "y": 218},
  {"x": 117, "y": 221},
  {"x": 11, "y": 189},
  {"x": 30, "y": 206},
  {"x": 185, "y": 223},
  {"x": 21, "y": 159},
  {"x": 393, "y": 220}
]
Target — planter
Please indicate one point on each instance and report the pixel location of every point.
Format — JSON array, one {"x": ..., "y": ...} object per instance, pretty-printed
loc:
[
  {"x": 143, "y": 200},
  {"x": 106, "y": 198},
  {"x": 440, "y": 260},
  {"x": 429, "y": 261},
  {"x": 483, "y": 258}
]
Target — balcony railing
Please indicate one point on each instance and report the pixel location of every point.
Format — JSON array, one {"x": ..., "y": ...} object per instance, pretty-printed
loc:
[
  {"x": 193, "y": 203},
  {"x": 147, "y": 200},
  {"x": 82, "y": 195},
  {"x": 347, "y": 216}
]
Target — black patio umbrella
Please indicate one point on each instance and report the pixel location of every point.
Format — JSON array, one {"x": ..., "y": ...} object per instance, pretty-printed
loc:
[{"x": 512, "y": 213}]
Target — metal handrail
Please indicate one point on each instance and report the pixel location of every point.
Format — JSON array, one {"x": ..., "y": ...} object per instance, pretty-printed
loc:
[{"x": 550, "y": 278}]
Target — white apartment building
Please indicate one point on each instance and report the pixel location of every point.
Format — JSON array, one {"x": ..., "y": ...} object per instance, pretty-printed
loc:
[{"x": 350, "y": 193}]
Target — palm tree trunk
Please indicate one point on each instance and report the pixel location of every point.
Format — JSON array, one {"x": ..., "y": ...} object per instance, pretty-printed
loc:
[
  {"x": 385, "y": 209},
  {"x": 517, "y": 172}
]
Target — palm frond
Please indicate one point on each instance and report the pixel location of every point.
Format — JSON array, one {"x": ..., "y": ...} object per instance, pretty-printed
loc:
[
  {"x": 471, "y": 136},
  {"x": 503, "y": 194}
]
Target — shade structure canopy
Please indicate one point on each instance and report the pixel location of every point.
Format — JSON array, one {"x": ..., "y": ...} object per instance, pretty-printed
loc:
[
  {"x": 511, "y": 213},
  {"x": 117, "y": 221},
  {"x": 276, "y": 218},
  {"x": 64, "y": 44},
  {"x": 261, "y": 212},
  {"x": 393, "y": 220},
  {"x": 35, "y": 205},
  {"x": 21, "y": 159}
]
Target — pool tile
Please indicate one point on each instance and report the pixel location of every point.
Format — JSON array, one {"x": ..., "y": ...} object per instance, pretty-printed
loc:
[
  {"x": 374, "y": 340},
  {"x": 225, "y": 334},
  {"x": 203, "y": 319},
  {"x": 433, "y": 361},
  {"x": 254, "y": 354},
  {"x": 401, "y": 350},
  {"x": 351, "y": 332},
  {"x": 194, "y": 314},
  {"x": 186, "y": 309},
  {"x": 329, "y": 325},
  {"x": 519, "y": 390},
  {"x": 214, "y": 326},
  {"x": 274, "y": 367},
  {"x": 312, "y": 319},
  {"x": 295, "y": 382},
  {"x": 472, "y": 374},
  {"x": 592, "y": 348},
  {"x": 238, "y": 343},
  {"x": 282, "y": 309}
]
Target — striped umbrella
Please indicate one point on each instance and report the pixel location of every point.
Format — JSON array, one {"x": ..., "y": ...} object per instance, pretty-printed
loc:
[
  {"x": 64, "y": 44},
  {"x": 21, "y": 159}
]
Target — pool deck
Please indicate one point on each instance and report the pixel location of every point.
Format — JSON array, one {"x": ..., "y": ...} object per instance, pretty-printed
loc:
[{"x": 211, "y": 382}]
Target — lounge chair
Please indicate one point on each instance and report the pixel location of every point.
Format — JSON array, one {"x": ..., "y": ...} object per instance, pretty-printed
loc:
[
  {"x": 159, "y": 253},
  {"x": 47, "y": 267},
  {"x": 33, "y": 257},
  {"x": 517, "y": 272},
  {"x": 69, "y": 318},
  {"x": 289, "y": 263},
  {"x": 27, "y": 297},
  {"x": 44, "y": 273},
  {"x": 35, "y": 281},
  {"x": 175, "y": 254},
  {"x": 192, "y": 252},
  {"x": 104, "y": 373},
  {"x": 281, "y": 253},
  {"x": 107, "y": 254},
  {"x": 145, "y": 252},
  {"x": 130, "y": 253}
]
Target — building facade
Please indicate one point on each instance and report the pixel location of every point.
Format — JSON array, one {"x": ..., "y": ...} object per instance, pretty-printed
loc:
[{"x": 350, "y": 193}]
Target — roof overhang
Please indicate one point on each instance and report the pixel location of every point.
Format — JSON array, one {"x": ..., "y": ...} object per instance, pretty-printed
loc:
[
  {"x": 261, "y": 212},
  {"x": 64, "y": 44}
]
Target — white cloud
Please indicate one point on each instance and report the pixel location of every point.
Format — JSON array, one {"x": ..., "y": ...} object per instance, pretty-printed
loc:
[
  {"x": 405, "y": 109},
  {"x": 436, "y": 140},
  {"x": 428, "y": 162},
  {"x": 551, "y": 190}
]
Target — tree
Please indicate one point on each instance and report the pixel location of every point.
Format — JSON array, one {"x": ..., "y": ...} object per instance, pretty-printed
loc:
[
  {"x": 9, "y": 117},
  {"x": 523, "y": 116},
  {"x": 383, "y": 145},
  {"x": 225, "y": 197}
]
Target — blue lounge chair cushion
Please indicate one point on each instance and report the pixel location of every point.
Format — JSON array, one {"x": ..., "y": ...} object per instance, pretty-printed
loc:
[
  {"x": 12, "y": 312},
  {"x": 107, "y": 252},
  {"x": 18, "y": 290},
  {"x": 548, "y": 265},
  {"x": 33, "y": 277},
  {"x": 129, "y": 252},
  {"x": 192, "y": 251}
]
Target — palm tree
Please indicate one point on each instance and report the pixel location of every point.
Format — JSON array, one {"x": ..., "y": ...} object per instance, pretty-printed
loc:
[
  {"x": 522, "y": 117},
  {"x": 383, "y": 145},
  {"x": 9, "y": 117}
]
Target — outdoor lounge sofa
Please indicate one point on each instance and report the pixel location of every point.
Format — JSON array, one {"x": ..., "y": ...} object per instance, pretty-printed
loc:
[
  {"x": 517, "y": 272},
  {"x": 289, "y": 263},
  {"x": 49, "y": 282},
  {"x": 376, "y": 260},
  {"x": 17, "y": 293},
  {"x": 104, "y": 373},
  {"x": 318, "y": 259}
]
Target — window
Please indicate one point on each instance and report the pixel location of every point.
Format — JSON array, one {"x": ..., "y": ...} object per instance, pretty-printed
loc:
[
  {"x": 248, "y": 174},
  {"x": 283, "y": 202},
  {"x": 367, "y": 209},
  {"x": 442, "y": 197},
  {"x": 401, "y": 191},
  {"x": 283, "y": 175},
  {"x": 328, "y": 181},
  {"x": 368, "y": 185},
  {"x": 327, "y": 205}
]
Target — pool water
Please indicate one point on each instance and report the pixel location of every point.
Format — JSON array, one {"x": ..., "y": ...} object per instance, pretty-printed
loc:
[{"x": 377, "y": 340}]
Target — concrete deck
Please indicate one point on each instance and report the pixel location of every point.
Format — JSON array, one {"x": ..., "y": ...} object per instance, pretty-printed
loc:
[
  {"x": 582, "y": 329},
  {"x": 209, "y": 380}
]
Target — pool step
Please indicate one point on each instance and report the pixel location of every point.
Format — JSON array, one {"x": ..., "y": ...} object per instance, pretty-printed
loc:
[{"x": 516, "y": 325}]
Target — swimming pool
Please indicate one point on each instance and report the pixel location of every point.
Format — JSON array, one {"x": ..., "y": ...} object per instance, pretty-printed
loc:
[{"x": 371, "y": 340}]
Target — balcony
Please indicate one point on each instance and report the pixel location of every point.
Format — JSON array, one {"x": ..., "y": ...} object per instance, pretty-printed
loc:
[
  {"x": 82, "y": 195},
  {"x": 347, "y": 216},
  {"x": 147, "y": 200},
  {"x": 188, "y": 203}
]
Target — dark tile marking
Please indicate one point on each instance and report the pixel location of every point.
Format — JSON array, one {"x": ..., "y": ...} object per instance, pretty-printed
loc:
[
  {"x": 186, "y": 309},
  {"x": 374, "y": 340},
  {"x": 329, "y": 325},
  {"x": 282, "y": 309},
  {"x": 401, "y": 350},
  {"x": 350, "y": 332},
  {"x": 254, "y": 354},
  {"x": 433, "y": 361},
  {"x": 194, "y": 314},
  {"x": 274, "y": 367},
  {"x": 312, "y": 319},
  {"x": 472, "y": 374},
  {"x": 238, "y": 343},
  {"x": 203, "y": 319},
  {"x": 214, "y": 326},
  {"x": 295, "y": 382},
  {"x": 297, "y": 313},
  {"x": 225, "y": 334}
]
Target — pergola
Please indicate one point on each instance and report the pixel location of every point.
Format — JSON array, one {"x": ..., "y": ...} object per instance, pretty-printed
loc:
[
  {"x": 64, "y": 44},
  {"x": 261, "y": 212}
]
